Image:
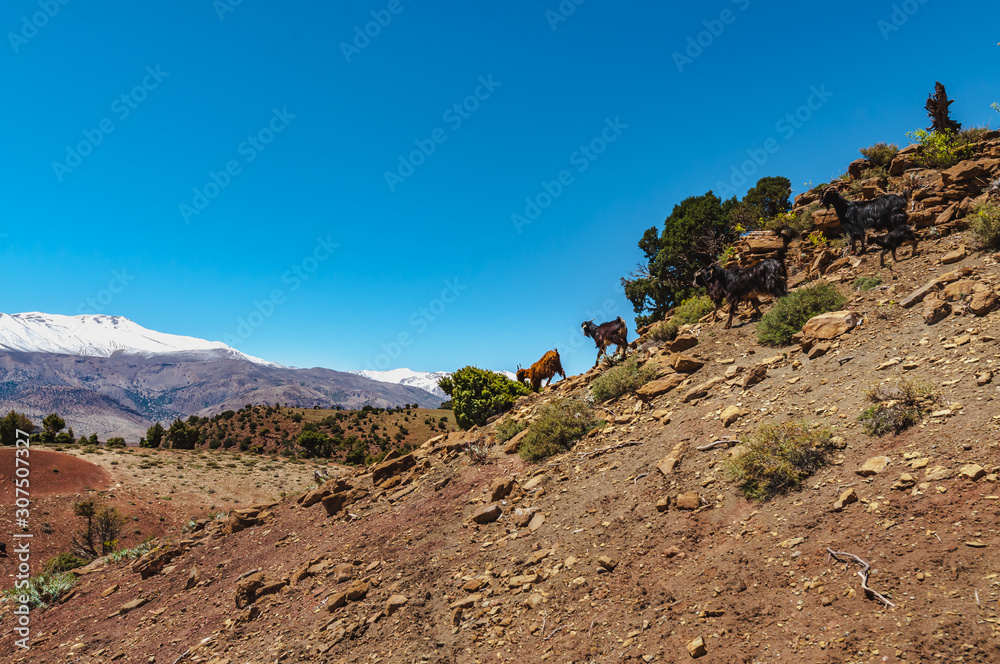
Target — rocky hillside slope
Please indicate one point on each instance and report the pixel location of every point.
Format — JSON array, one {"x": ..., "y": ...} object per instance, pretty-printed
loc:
[{"x": 635, "y": 545}]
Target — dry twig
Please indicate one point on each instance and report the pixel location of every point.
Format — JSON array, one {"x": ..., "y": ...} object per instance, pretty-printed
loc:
[
  {"x": 594, "y": 621},
  {"x": 552, "y": 634},
  {"x": 863, "y": 573},
  {"x": 718, "y": 443}
]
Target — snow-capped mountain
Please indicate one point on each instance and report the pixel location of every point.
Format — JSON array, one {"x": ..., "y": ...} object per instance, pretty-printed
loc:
[
  {"x": 101, "y": 336},
  {"x": 109, "y": 375},
  {"x": 425, "y": 380}
]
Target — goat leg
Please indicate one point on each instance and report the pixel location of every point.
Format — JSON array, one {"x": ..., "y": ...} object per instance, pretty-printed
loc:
[{"x": 732, "y": 312}]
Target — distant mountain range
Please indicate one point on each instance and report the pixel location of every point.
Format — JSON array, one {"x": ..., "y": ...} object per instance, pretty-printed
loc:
[
  {"x": 102, "y": 336},
  {"x": 424, "y": 380},
  {"x": 110, "y": 376}
]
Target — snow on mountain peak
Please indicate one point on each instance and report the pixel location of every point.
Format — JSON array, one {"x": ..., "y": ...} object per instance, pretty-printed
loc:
[
  {"x": 425, "y": 380},
  {"x": 98, "y": 335}
]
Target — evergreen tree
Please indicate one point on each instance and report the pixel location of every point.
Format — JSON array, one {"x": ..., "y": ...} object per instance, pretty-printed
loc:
[{"x": 10, "y": 424}]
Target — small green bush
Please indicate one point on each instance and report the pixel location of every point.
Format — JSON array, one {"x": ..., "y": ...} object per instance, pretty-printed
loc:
[
  {"x": 507, "y": 428},
  {"x": 692, "y": 310},
  {"x": 558, "y": 427},
  {"x": 622, "y": 379},
  {"x": 42, "y": 589},
  {"x": 688, "y": 312},
  {"x": 663, "y": 331},
  {"x": 874, "y": 172},
  {"x": 866, "y": 283},
  {"x": 778, "y": 457},
  {"x": 940, "y": 150},
  {"x": 791, "y": 312},
  {"x": 796, "y": 223},
  {"x": 726, "y": 255},
  {"x": 895, "y": 407},
  {"x": 63, "y": 562},
  {"x": 985, "y": 225},
  {"x": 880, "y": 155},
  {"x": 478, "y": 394}
]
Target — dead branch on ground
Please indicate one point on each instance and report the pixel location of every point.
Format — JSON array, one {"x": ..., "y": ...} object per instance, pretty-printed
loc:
[{"x": 863, "y": 573}]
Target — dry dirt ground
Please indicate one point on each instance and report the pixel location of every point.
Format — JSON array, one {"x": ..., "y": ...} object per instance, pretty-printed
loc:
[
  {"x": 157, "y": 491},
  {"x": 582, "y": 565}
]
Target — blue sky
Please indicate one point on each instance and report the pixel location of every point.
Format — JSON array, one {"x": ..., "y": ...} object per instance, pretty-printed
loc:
[{"x": 272, "y": 177}]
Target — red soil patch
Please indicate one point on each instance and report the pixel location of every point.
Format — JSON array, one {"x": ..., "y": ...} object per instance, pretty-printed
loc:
[{"x": 50, "y": 473}]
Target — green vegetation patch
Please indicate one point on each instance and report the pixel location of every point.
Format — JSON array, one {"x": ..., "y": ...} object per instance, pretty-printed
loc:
[
  {"x": 507, "y": 428},
  {"x": 688, "y": 312},
  {"x": 779, "y": 457},
  {"x": 866, "y": 283},
  {"x": 880, "y": 155},
  {"x": 41, "y": 590},
  {"x": 984, "y": 223},
  {"x": 558, "y": 427},
  {"x": 895, "y": 407},
  {"x": 622, "y": 379},
  {"x": 479, "y": 394},
  {"x": 791, "y": 312}
]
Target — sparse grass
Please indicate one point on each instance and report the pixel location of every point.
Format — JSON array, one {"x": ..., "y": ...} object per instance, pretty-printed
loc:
[
  {"x": 622, "y": 379},
  {"x": 984, "y": 223},
  {"x": 791, "y": 312},
  {"x": 778, "y": 458},
  {"x": 41, "y": 590},
  {"x": 558, "y": 427},
  {"x": 895, "y": 407},
  {"x": 507, "y": 428},
  {"x": 971, "y": 135},
  {"x": 874, "y": 172},
  {"x": 128, "y": 554},
  {"x": 866, "y": 283}
]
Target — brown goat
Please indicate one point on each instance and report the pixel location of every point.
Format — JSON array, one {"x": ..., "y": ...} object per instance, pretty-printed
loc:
[{"x": 547, "y": 367}]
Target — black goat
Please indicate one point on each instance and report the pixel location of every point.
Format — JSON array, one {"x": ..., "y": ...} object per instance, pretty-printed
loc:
[
  {"x": 886, "y": 212},
  {"x": 765, "y": 278},
  {"x": 894, "y": 240},
  {"x": 613, "y": 332}
]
